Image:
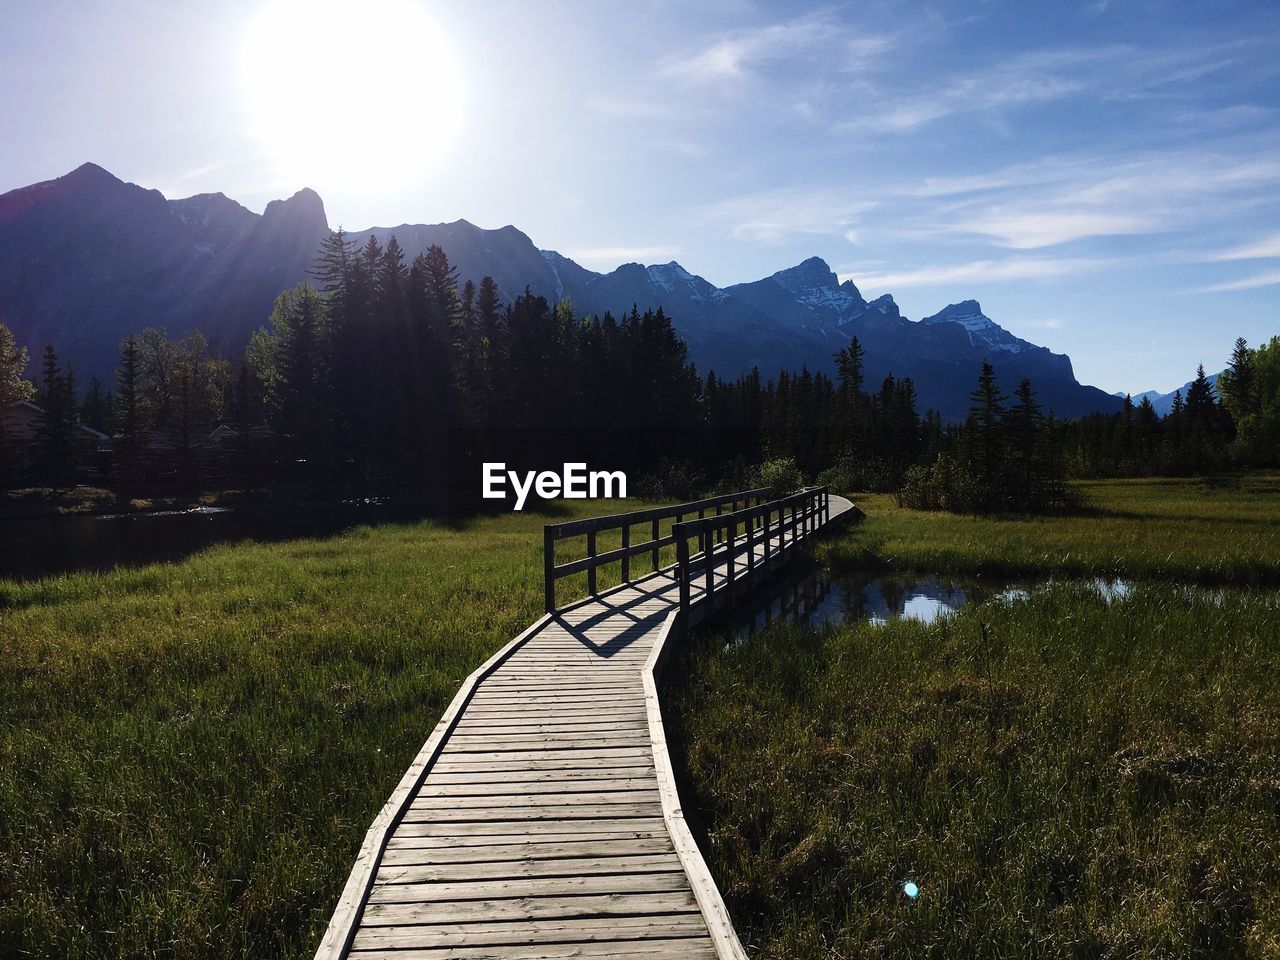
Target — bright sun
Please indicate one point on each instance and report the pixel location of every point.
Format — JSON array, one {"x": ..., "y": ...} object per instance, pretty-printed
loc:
[{"x": 350, "y": 95}]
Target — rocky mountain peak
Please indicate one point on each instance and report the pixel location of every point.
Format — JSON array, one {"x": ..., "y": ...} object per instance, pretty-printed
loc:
[{"x": 810, "y": 274}]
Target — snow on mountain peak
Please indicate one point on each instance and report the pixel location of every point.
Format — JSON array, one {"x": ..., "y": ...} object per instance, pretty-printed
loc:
[
  {"x": 667, "y": 275},
  {"x": 982, "y": 330},
  {"x": 808, "y": 275}
]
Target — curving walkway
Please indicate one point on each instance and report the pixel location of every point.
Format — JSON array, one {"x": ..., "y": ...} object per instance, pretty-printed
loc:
[{"x": 541, "y": 819}]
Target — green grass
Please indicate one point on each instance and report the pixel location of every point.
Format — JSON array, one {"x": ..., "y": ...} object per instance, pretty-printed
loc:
[
  {"x": 1183, "y": 530},
  {"x": 1063, "y": 777},
  {"x": 191, "y": 753}
]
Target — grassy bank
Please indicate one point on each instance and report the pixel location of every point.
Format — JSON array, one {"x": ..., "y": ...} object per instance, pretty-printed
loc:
[
  {"x": 1061, "y": 776},
  {"x": 1185, "y": 530},
  {"x": 191, "y": 753}
]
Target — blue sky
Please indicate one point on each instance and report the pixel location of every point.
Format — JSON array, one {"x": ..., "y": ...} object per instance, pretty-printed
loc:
[{"x": 1104, "y": 176}]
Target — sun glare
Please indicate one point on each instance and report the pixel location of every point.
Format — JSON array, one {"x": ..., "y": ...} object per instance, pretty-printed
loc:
[{"x": 351, "y": 94}]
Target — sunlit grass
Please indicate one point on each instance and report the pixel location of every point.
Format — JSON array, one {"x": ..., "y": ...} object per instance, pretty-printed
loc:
[
  {"x": 191, "y": 753},
  {"x": 1061, "y": 776},
  {"x": 1176, "y": 529}
]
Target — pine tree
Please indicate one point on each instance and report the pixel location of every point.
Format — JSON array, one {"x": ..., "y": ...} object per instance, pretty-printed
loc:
[
  {"x": 13, "y": 388},
  {"x": 985, "y": 417},
  {"x": 55, "y": 432},
  {"x": 127, "y": 409},
  {"x": 1023, "y": 428},
  {"x": 95, "y": 409}
]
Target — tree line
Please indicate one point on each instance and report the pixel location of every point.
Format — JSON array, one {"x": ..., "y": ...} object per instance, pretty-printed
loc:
[{"x": 392, "y": 374}]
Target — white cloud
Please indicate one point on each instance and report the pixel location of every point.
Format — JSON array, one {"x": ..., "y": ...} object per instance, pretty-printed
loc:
[
  {"x": 612, "y": 256},
  {"x": 1031, "y": 230},
  {"x": 1269, "y": 279},
  {"x": 978, "y": 270},
  {"x": 1105, "y": 73},
  {"x": 1060, "y": 200},
  {"x": 734, "y": 55},
  {"x": 1263, "y": 249},
  {"x": 632, "y": 108},
  {"x": 775, "y": 215}
]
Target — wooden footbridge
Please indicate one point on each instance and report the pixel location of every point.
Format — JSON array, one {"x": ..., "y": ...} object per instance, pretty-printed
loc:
[{"x": 541, "y": 818}]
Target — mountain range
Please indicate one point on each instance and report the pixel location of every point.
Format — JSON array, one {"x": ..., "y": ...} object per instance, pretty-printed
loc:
[
  {"x": 1163, "y": 402},
  {"x": 87, "y": 258}
]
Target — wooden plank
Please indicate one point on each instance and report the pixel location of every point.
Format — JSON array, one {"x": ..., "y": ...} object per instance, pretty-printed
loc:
[
  {"x": 582, "y": 906},
  {"x": 533, "y": 713},
  {"x": 581, "y": 740},
  {"x": 496, "y": 743},
  {"x": 579, "y": 758},
  {"x": 401, "y": 852},
  {"x": 428, "y": 828},
  {"x": 442, "y": 812},
  {"x": 684, "y": 949},
  {"x": 518, "y": 786},
  {"x": 602, "y": 884},
  {"x": 480, "y": 775},
  {"x": 505, "y": 804},
  {"x": 404, "y": 838},
  {"x": 497, "y": 870},
  {"x": 526, "y": 932}
]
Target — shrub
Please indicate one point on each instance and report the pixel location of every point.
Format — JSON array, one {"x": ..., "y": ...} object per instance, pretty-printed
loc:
[
  {"x": 781, "y": 475},
  {"x": 946, "y": 484}
]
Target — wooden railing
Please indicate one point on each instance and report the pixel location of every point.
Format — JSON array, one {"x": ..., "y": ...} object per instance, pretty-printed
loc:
[
  {"x": 651, "y": 523},
  {"x": 741, "y": 545}
]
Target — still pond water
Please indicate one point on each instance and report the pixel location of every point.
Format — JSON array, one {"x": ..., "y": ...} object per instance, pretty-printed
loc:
[
  {"x": 823, "y": 598},
  {"x": 30, "y": 549}
]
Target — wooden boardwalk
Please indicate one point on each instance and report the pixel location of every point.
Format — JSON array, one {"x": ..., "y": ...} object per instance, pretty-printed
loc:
[{"x": 541, "y": 818}]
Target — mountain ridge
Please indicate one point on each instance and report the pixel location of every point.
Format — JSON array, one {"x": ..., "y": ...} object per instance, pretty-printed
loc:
[{"x": 87, "y": 258}]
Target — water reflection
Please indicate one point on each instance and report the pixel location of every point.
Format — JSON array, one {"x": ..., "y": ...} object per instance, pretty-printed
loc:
[
  {"x": 50, "y": 546},
  {"x": 821, "y": 598}
]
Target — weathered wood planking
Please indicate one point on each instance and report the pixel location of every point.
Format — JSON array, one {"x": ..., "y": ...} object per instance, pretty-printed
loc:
[{"x": 541, "y": 818}]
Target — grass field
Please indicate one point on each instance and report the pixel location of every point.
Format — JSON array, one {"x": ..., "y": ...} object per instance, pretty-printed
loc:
[
  {"x": 1062, "y": 776},
  {"x": 1181, "y": 530},
  {"x": 191, "y": 753}
]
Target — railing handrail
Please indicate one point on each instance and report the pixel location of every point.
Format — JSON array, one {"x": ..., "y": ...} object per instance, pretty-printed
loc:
[
  {"x": 612, "y": 521},
  {"x": 722, "y": 521},
  {"x": 591, "y": 526},
  {"x": 809, "y": 509}
]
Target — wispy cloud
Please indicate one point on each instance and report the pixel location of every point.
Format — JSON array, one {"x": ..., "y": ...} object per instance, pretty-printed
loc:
[
  {"x": 776, "y": 215},
  {"x": 612, "y": 256},
  {"x": 1061, "y": 200},
  {"x": 1270, "y": 278},
  {"x": 736, "y": 54},
  {"x": 989, "y": 271},
  {"x": 1035, "y": 77},
  {"x": 1030, "y": 230},
  {"x": 1263, "y": 249},
  {"x": 633, "y": 108}
]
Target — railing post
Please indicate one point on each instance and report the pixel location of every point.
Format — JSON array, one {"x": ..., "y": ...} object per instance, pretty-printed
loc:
[
  {"x": 702, "y": 534},
  {"x": 768, "y": 540},
  {"x": 709, "y": 581},
  {"x": 682, "y": 571},
  {"x": 733, "y": 537},
  {"x": 591, "y": 569},
  {"x": 626, "y": 559},
  {"x": 751, "y": 544},
  {"x": 549, "y": 568}
]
